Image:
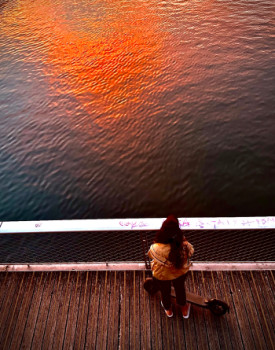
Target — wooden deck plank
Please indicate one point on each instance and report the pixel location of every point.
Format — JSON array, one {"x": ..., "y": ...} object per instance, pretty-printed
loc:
[
  {"x": 262, "y": 280},
  {"x": 207, "y": 289},
  {"x": 232, "y": 318},
  {"x": 103, "y": 310},
  {"x": 219, "y": 324},
  {"x": 251, "y": 309},
  {"x": 241, "y": 312},
  {"x": 22, "y": 317},
  {"x": 111, "y": 310},
  {"x": 271, "y": 280},
  {"x": 6, "y": 336},
  {"x": 209, "y": 318},
  {"x": 94, "y": 305},
  {"x": 189, "y": 324},
  {"x": 78, "y": 323},
  {"x": 134, "y": 311},
  {"x": 10, "y": 298},
  {"x": 62, "y": 314},
  {"x": 69, "y": 334},
  {"x": 155, "y": 322},
  {"x": 4, "y": 280},
  {"x": 124, "y": 315},
  {"x": 43, "y": 312},
  {"x": 145, "y": 314},
  {"x": 199, "y": 318},
  {"x": 32, "y": 316},
  {"x": 113, "y": 325},
  {"x": 261, "y": 312},
  {"x": 232, "y": 336},
  {"x": 179, "y": 328},
  {"x": 167, "y": 330},
  {"x": 233, "y": 321},
  {"x": 53, "y": 311},
  {"x": 80, "y": 336}
]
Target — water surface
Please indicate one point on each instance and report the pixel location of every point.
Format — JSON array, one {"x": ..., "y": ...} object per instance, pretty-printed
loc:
[{"x": 136, "y": 108}]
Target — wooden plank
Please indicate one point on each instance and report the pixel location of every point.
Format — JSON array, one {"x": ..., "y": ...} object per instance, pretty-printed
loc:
[
  {"x": 6, "y": 336},
  {"x": 232, "y": 337},
  {"x": 61, "y": 317},
  {"x": 102, "y": 318},
  {"x": 167, "y": 331},
  {"x": 179, "y": 329},
  {"x": 69, "y": 336},
  {"x": 134, "y": 311},
  {"x": 233, "y": 321},
  {"x": 179, "y": 326},
  {"x": 80, "y": 335},
  {"x": 209, "y": 318},
  {"x": 9, "y": 299},
  {"x": 4, "y": 281},
  {"x": 155, "y": 317},
  {"x": 189, "y": 324},
  {"x": 113, "y": 324},
  {"x": 92, "y": 326},
  {"x": 258, "y": 336},
  {"x": 145, "y": 314},
  {"x": 199, "y": 317},
  {"x": 142, "y": 323},
  {"x": 218, "y": 323},
  {"x": 261, "y": 312},
  {"x": 271, "y": 280},
  {"x": 32, "y": 316},
  {"x": 124, "y": 314},
  {"x": 22, "y": 317},
  {"x": 53, "y": 311},
  {"x": 261, "y": 279},
  {"x": 78, "y": 324},
  {"x": 241, "y": 312},
  {"x": 43, "y": 312}
]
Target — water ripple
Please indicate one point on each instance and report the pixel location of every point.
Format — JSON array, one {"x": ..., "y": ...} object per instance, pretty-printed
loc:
[{"x": 118, "y": 108}]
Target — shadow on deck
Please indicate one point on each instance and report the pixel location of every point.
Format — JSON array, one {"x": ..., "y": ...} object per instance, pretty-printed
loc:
[{"x": 111, "y": 310}]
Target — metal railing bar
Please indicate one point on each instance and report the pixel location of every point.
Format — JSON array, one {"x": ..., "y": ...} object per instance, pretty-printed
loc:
[{"x": 145, "y": 224}]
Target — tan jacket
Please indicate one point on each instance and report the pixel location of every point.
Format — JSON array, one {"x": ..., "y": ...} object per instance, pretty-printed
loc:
[{"x": 162, "y": 268}]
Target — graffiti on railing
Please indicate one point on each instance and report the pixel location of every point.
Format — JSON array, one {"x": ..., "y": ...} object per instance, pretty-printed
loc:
[
  {"x": 227, "y": 223},
  {"x": 133, "y": 224}
]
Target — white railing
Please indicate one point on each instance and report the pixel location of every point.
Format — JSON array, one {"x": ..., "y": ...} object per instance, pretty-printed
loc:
[{"x": 226, "y": 223}]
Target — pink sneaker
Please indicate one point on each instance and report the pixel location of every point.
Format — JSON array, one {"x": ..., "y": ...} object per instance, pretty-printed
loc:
[
  {"x": 186, "y": 310},
  {"x": 169, "y": 312}
]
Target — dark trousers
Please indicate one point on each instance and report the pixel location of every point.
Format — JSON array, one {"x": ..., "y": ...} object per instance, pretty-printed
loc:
[{"x": 165, "y": 289}]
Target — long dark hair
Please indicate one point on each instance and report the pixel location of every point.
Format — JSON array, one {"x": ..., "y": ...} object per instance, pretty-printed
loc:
[{"x": 170, "y": 233}]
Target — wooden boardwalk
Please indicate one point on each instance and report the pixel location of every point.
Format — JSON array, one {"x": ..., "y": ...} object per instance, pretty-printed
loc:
[{"x": 110, "y": 310}]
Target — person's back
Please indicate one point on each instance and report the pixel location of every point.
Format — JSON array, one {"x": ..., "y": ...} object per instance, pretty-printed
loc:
[
  {"x": 170, "y": 263},
  {"x": 162, "y": 268}
]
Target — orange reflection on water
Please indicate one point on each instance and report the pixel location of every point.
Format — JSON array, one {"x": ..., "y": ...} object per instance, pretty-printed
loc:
[{"x": 107, "y": 60}]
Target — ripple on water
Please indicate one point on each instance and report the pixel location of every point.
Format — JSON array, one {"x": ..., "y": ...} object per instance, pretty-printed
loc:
[{"x": 116, "y": 109}]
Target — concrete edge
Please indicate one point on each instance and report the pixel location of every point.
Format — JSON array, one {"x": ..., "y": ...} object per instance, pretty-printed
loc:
[{"x": 131, "y": 266}]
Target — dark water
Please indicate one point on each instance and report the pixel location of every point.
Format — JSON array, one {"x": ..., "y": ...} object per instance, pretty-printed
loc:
[{"x": 136, "y": 108}]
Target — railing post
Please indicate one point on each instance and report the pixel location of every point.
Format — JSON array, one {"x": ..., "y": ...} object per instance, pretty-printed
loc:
[{"x": 144, "y": 243}]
